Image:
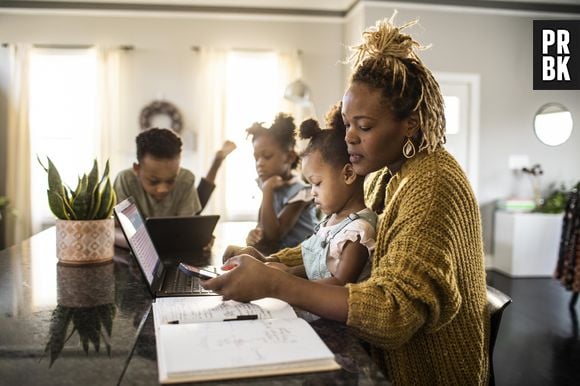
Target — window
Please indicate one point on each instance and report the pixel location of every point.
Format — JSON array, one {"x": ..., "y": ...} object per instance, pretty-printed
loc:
[
  {"x": 63, "y": 120},
  {"x": 253, "y": 85}
]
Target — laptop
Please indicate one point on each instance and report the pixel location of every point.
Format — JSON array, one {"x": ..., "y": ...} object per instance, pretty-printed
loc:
[
  {"x": 162, "y": 280},
  {"x": 181, "y": 236}
]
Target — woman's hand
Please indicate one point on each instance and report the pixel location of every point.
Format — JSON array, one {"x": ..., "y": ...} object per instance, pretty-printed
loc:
[
  {"x": 234, "y": 250},
  {"x": 247, "y": 279}
]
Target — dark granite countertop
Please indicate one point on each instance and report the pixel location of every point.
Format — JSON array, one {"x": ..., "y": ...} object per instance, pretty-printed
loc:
[{"x": 92, "y": 325}]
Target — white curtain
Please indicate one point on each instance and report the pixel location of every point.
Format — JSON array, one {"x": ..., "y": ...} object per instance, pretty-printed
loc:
[
  {"x": 211, "y": 88},
  {"x": 110, "y": 67},
  {"x": 210, "y": 94},
  {"x": 18, "y": 220},
  {"x": 290, "y": 71}
]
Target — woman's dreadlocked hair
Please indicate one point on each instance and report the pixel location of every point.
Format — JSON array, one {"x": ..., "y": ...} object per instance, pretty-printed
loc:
[
  {"x": 329, "y": 142},
  {"x": 281, "y": 131},
  {"x": 387, "y": 61}
]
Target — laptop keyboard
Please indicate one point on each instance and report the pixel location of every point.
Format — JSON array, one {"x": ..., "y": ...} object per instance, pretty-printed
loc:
[{"x": 182, "y": 283}]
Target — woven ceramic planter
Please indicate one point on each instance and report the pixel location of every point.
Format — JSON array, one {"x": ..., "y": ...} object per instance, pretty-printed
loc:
[{"x": 85, "y": 242}]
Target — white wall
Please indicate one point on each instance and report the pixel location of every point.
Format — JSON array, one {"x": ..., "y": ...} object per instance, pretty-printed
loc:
[
  {"x": 162, "y": 63},
  {"x": 496, "y": 46},
  {"x": 499, "y": 48}
]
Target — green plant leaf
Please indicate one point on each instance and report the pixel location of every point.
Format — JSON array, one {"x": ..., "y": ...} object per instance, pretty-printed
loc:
[
  {"x": 105, "y": 172},
  {"x": 82, "y": 202},
  {"x": 96, "y": 202},
  {"x": 57, "y": 205},
  {"x": 54, "y": 180},
  {"x": 73, "y": 193},
  {"x": 41, "y": 164},
  {"x": 112, "y": 204},
  {"x": 107, "y": 201},
  {"x": 92, "y": 187},
  {"x": 3, "y": 202},
  {"x": 91, "y": 199},
  {"x": 68, "y": 202}
]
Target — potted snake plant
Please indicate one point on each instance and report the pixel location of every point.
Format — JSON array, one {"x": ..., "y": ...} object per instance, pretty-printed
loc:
[{"x": 85, "y": 229}]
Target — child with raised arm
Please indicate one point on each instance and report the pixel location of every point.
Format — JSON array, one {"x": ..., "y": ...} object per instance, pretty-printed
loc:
[
  {"x": 158, "y": 183},
  {"x": 286, "y": 216}
]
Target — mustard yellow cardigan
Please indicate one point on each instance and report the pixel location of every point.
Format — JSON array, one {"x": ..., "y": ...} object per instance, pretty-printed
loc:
[{"x": 424, "y": 308}]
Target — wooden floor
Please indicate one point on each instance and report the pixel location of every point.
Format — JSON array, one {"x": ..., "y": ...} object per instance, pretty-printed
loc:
[{"x": 538, "y": 341}]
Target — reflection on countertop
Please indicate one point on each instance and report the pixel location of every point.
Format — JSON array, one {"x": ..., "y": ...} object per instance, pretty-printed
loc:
[{"x": 71, "y": 325}]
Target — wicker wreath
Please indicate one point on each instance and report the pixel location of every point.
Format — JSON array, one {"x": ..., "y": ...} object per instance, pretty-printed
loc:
[{"x": 164, "y": 108}]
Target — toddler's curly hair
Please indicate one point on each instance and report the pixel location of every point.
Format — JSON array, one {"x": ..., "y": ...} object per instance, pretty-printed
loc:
[{"x": 329, "y": 142}]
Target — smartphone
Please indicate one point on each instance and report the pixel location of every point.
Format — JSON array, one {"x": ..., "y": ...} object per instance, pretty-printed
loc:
[{"x": 203, "y": 274}]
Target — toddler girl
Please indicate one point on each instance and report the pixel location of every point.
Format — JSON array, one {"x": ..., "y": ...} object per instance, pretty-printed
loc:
[{"x": 339, "y": 251}]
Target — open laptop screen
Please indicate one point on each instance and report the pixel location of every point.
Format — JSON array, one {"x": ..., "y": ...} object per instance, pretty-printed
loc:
[{"x": 135, "y": 231}]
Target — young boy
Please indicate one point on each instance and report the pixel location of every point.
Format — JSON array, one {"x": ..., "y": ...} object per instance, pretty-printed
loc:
[{"x": 157, "y": 182}]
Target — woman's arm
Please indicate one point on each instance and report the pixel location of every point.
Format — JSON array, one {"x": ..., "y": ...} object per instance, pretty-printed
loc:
[
  {"x": 249, "y": 279},
  {"x": 297, "y": 270}
]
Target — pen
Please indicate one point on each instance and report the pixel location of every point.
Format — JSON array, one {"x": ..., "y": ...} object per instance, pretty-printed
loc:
[
  {"x": 173, "y": 322},
  {"x": 242, "y": 317}
]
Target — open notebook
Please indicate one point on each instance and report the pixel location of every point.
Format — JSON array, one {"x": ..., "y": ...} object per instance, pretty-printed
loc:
[{"x": 206, "y": 338}]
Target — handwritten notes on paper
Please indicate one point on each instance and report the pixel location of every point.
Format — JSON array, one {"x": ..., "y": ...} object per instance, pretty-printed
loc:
[
  {"x": 194, "y": 342},
  {"x": 214, "y": 309},
  {"x": 205, "y": 348}
]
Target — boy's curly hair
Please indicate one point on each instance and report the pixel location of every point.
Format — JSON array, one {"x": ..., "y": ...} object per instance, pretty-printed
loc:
[
  {"x": 387, "y": 60},
  {"x": 281, "y": 131},
  {"x": 159, "y": 143},
  {"x": 330, "y": 141}
]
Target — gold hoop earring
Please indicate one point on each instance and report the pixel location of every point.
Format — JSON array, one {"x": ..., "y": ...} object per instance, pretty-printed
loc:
[{"x": 409, "y": 149}]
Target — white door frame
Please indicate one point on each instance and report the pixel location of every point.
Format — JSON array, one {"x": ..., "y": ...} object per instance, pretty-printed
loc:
[{"x": 473, "y": 82}]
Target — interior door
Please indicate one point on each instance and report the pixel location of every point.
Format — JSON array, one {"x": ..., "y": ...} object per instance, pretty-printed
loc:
[{"x": 461, "y": 97}]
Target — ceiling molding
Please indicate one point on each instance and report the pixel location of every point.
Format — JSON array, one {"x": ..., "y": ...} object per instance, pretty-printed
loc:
[
  {"x": 165, "y": 7},
  {"x": 552, "y": 7},
  {"x": 288, "y": 8}
]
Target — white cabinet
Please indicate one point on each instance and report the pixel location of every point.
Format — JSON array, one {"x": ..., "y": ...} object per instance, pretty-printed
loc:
[{"x": 526, "y": 244}]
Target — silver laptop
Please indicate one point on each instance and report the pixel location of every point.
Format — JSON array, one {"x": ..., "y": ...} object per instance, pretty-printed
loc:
[{"x": 163, "y": 281}]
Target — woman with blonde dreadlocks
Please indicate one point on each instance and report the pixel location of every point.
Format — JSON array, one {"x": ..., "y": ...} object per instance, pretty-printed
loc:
[{"x": 423, "y": 310}]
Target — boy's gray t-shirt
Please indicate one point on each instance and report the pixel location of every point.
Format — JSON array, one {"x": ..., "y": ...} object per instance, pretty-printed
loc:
[{"x": 181, "y": 201}]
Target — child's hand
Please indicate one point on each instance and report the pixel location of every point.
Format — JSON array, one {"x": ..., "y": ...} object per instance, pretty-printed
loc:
[
  {"x": 254, "y": 236},
  {"x": 273, "y": 183},
  {"x": 226, "y": 149},
  {"x": 234, "y": 250},
  {"x": 278, "y": 266}
]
